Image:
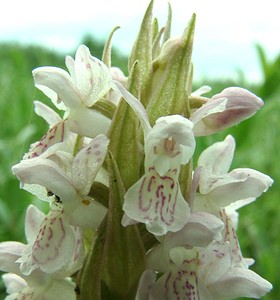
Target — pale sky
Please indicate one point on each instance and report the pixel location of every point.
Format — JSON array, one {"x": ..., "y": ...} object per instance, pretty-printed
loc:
[{"x": 226, "y": 31}]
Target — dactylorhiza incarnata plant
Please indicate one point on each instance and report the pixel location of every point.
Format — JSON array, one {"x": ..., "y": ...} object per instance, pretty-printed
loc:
[{"x": 130, "y": 215}]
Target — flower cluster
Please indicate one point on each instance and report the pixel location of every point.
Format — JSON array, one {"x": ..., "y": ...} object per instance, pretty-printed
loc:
[{"x": 129, "y": 216}]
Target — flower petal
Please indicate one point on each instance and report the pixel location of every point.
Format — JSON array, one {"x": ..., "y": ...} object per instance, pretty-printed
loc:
[
  {"x": 13, "y": 283},
  {"x": 182, "y": 282},
  {"x": 202, "y": 90},
  {"x": 87, "y": 122},
  {"x": 224, "y": 110},
  {"x": 241, "y": 184},
  {"x": 54, "y": 245},
  {"x": 88, "y": 213},
  {"x": 87, "y": 163},
  {"x": 169, "y": 143},
  {"x": 214, "y": 162},
  {"x": 58, "y": 81},
  {"x": 157, "y": 201},
  {"x": 215, "y": 261},
  {"x": 53, "y": 138},
  {"x": 48, "y": 114},
  {"x": 92, "y": 77},
  {"x": 202, "y": 117},
  {"x": 239, "y": 282},
  {"x": 9, "y": 253},
  {"x": 33, "y": 220},
  {"x": 46, "y": 173},
  {"x": 146, "y": 281},
  {"x": 136, "y": 105},
  {"x": 239, "y": 98},
  {"x": 202, "y": 228}
]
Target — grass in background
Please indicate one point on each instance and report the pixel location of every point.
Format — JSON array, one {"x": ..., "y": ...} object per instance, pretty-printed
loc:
[{"x": 257, "y": 147}]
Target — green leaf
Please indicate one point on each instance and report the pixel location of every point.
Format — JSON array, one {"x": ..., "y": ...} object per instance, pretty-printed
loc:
[
  {"x": 124, "y": 254},
  {"x": 89, "y": 277}
]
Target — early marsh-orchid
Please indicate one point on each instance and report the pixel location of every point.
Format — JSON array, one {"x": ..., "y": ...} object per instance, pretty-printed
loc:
[{"x": 129, "y": 216}]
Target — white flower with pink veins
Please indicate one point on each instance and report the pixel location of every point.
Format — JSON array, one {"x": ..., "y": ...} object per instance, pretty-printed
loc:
[
  {"x": 88, "y": 81},
  {"x": 40, "y": 269}
]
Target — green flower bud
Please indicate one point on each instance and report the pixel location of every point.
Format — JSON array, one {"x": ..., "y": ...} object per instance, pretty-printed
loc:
[{"x": 168, "y": 91}]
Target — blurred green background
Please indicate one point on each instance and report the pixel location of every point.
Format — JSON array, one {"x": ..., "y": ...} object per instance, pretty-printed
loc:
[{"x": 257, "y": 146}]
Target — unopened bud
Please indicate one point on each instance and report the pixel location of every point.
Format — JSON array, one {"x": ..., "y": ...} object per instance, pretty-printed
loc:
[{"x": 224, "y": 110}]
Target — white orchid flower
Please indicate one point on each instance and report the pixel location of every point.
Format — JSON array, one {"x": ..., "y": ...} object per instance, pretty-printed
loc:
[
  {"x": 201, "y": 230},
  {"x": 202, "y": 274},
  {"x": 18, "y": 288},
  {"x": 41, "y": 268},
  {"x": 156, "y": 199},
  {"x": 88, "y": 81},
  {"x": 69, "y": 180},
  {"x": 169, "y": 144},
  {"x": 219, "y": 188}
]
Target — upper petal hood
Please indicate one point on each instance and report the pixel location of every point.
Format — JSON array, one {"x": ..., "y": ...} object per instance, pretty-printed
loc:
[{"x": 169, "y": 143}]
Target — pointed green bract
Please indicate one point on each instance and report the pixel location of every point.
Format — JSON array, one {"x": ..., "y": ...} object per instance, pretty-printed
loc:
[
  {"x": 171, "y": 76},
  {"x": 106, "y": 56},
  {"x": 142, "y": 51},
  {"x": 124, "y": 144},
  {"x": 155, "y": 28},
  {"x": 124, "y": 254},
  {"x": 167, "y": 28},
  {"x": 156, "y": 43},
  {"x": 124, "y": 137}
]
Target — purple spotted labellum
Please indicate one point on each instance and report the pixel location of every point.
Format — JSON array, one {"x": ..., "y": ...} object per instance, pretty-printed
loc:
[
  {"x": 41, "y": 269},
  {"x": 54, "y": 245},
  {"x": 157, "y": 201},
  {"x": 203, "y": 274}
]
